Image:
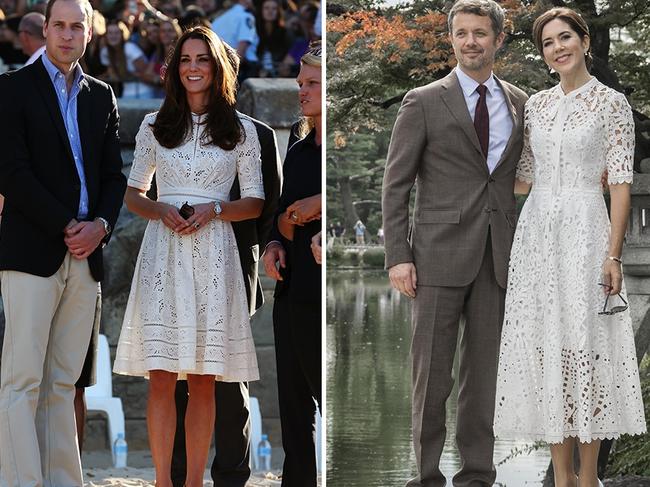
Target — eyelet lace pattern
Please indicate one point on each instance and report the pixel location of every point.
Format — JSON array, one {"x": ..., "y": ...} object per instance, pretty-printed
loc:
[
  {"x": 187, "y": 310},
  {"x": 564, "y": 370}
]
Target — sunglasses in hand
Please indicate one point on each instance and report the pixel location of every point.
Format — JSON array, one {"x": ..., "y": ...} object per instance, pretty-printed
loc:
[{"x": 615, "y": 309}]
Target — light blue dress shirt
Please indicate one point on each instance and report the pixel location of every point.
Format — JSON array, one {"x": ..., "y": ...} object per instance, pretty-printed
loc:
[
  {"x": 68, "y": 106},
  {"x": 237, "y": 25},
  {"x": 498, "y": 110}
]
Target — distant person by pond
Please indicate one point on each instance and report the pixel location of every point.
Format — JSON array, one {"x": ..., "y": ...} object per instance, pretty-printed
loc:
[
  {"x": 360, "y": 232},
  {"x": 336, "y": 231}
]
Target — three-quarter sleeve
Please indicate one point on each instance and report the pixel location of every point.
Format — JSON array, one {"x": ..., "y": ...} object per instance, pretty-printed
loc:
[
  {"x": 525, "y": 166},
  {"x": 620, "y": 141},
  {"x": 249, "y": 164},
  {"x": 144, "y": 157}
]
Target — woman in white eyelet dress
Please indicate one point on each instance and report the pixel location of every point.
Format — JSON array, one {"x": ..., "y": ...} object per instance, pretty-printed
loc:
[
  {"x": 187, "y": 310},
  {"x": 187, "y": 313},
  {"x": 566, "y": 371}
]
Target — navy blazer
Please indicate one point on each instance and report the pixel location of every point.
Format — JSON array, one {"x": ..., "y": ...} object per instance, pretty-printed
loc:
[{"x": 38, "y": 176}]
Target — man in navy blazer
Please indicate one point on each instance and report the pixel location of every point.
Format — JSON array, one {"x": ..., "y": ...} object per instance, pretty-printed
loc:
[{"x": 60, "y": 173}]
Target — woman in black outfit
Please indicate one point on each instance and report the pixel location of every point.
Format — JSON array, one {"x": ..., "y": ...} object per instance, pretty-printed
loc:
[{"x": 297, "y": 310}]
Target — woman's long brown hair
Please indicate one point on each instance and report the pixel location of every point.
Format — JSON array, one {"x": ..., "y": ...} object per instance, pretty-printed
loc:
[
  {"x": 174, "y": 121},
  {"x": 116, "y": 54}
]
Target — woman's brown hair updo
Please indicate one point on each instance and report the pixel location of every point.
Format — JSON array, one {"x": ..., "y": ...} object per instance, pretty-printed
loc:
[
  {"x": 572, "y": 18},
  {"x": 174, "y": 120}
]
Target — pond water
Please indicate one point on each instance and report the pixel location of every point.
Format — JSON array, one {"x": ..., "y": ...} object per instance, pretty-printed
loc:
[{"x": 369, "y": 388}]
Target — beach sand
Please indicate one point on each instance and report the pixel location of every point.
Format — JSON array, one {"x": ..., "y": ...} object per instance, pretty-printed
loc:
[
  {"x": 98, "y": 471},
  {"x": 144, "y": 477}
]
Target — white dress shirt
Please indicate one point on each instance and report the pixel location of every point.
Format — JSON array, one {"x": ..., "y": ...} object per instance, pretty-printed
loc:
[{"x": 498, "y": 110}]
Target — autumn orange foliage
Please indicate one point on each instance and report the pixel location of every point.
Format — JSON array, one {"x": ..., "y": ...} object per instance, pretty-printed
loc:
[{"x": 391, "y": 37}]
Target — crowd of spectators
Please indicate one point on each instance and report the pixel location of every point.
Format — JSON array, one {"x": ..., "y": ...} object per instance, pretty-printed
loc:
[{"x": 132, "y": 38}]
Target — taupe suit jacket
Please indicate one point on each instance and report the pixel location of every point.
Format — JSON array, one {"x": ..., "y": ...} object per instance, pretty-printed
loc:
[{"x": 434, "y": 145}]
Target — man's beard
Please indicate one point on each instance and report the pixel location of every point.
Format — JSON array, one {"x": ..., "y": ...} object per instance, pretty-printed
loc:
[{"x": 474, "y": 64}]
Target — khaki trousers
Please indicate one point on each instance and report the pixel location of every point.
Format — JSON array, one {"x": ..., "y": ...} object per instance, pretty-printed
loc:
[{"x": 48, "y": 325}]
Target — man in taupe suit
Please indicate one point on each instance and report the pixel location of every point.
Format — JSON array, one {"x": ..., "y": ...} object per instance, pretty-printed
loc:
[{"x": 460, "y": 139}]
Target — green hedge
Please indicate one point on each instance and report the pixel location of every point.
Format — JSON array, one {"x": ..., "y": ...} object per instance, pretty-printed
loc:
[
  {"x": 631, "y": 454},
  {"x": 354, "y": 257}
]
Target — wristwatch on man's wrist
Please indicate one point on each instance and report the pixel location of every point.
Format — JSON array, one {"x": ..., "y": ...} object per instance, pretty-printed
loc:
[
  {"x": 217, "y": 208},
  {"x": 107, "y": 230},
  {"x": 107, "y": 226}
]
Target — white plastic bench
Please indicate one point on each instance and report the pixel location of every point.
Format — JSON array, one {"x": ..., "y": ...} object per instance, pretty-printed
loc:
[{"x": 100, "y": 396}]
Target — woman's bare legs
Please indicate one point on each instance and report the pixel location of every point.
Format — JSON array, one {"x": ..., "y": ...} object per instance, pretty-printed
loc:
[
  {"x": 588, "y": 473},
  {"x": 562, "y": 456},
  {"x": 199, "y": 426},
  {"x": 161, "y": 423}
]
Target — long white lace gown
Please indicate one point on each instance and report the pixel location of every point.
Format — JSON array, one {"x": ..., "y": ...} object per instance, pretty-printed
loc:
[
  {"x": 564, "y": 370},
  {"x": 187, "y": 310}
]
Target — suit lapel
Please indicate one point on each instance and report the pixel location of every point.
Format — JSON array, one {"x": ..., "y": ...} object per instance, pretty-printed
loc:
[
  {"x": 84, "y": 116},
  {"x": 453, "y": 98},
  {"x": 46, "y": 88},
  {"x": 515, "y": 122}
]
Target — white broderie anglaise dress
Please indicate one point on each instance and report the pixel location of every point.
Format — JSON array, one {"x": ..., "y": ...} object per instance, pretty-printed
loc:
[
  {"x": 187, "y": 310},
  {"x": 564, "y": 370}
]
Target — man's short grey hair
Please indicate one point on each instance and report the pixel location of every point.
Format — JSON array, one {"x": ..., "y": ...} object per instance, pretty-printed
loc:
[
  {"x": 484, "y": 8},
  {"x": 33, "y": 24}
]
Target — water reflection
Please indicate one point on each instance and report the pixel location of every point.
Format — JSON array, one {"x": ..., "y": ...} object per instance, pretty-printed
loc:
[{"x": 369, "y": 387}]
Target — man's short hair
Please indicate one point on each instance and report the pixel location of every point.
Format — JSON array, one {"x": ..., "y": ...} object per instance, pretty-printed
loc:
[
  {"x": 484, "y": 8},
  {"x": 32, "y": 23},
  {"x": 85, "y": 4}
]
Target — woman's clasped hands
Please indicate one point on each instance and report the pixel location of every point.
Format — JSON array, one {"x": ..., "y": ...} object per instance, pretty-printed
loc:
[{"x": 172, "y": 219}]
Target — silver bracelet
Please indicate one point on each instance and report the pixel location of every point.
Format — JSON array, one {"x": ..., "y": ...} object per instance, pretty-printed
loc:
[{"x": 615, "y": 259}]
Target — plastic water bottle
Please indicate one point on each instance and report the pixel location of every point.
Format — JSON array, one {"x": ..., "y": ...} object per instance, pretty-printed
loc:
[
  {"x": 264, "y": 454},
  {"x": 120, "y": 450}
]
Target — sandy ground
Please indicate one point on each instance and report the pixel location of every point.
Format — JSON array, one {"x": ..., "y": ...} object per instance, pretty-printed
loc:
[
  {"x": 144, "y": 477},
  {"x": 98, "y": 471}
]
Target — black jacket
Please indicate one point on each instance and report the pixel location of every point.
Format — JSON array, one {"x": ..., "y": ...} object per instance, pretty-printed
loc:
[
  {"x": 38, "y": 176},
  {"x": 252, "y": 235},
  {"x": 302, "y": 178}
]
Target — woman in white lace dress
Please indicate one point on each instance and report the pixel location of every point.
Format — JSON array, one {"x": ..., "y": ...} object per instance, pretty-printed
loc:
[
  {"x": 567, "y": 372},
  {"x": 187, "y": 315}
]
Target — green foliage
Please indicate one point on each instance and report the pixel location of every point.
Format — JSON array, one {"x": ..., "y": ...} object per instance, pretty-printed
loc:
[
  {"x": 351, "y": 258},
  {"x": 335, "y": 256},
  {"x": 631, "y": 454},
  {"x": 374, "y": 257},
  {"x": 524, "y": 450}
]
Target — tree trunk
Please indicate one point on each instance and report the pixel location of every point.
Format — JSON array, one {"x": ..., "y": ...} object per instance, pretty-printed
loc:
[{"x": 350, "y": 212}]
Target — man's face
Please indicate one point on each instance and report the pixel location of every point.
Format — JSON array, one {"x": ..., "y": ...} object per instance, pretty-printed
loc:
[
  {"x": 474, "y": 41},
  {"x": 66, "y": 33}
]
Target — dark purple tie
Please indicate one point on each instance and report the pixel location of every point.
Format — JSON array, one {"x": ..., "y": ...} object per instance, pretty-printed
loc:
[{"x": 482, "y": 120}]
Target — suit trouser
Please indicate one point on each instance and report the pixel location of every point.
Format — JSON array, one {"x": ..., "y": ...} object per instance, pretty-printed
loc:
[
  {"x": 48, "y": 326},
  {"x": 437, "y": 312},
  {"x": 230, "y": 467},
  {"x": 297, "y": 332}
]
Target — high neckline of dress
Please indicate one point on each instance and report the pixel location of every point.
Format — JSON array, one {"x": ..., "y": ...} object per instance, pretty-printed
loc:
[
  {"x": 197, "y": 117},
  {"x": 577, "y": 91}
]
